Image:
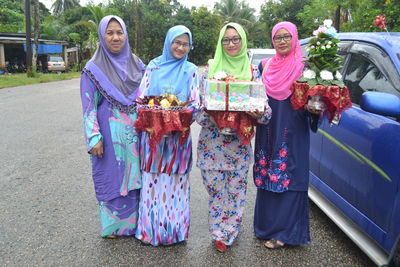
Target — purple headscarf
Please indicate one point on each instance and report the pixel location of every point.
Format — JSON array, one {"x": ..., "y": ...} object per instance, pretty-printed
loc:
[
  {"x": 117, "y": 75},
  {"x": 283, "y": 70}
]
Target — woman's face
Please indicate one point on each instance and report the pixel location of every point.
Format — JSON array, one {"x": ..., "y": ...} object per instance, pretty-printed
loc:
[
  {"x": 283, "y": 41},
  {"x": 232, "y": 42},
  {"x": 114, "y": 37},
  {"x": 180, "y": 46}
]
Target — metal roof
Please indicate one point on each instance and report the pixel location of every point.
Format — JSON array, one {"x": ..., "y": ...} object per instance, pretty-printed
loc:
[{"x": 9, "y": 39}]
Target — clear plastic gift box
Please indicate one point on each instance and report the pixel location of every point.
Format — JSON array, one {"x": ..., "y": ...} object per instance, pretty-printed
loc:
[{"x": 234, "y": 95}]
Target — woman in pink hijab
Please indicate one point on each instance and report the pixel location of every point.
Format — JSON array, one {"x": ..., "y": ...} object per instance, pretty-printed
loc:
[{"x": 281, "y": 164}]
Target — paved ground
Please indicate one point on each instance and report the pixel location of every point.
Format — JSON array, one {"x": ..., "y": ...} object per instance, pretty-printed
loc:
[{"x": 49, "y": 212}]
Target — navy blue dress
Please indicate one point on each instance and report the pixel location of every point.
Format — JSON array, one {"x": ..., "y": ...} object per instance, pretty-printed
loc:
[{"x": 281, "y": 171}]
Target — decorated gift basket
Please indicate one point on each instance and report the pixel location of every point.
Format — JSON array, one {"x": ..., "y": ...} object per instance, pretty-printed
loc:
[
  {"x": 226, "y": 93},
  {"x": 162, "y": 115},
  {"x": 227, "y": 99},
  {"x": 321, "y": 85}
]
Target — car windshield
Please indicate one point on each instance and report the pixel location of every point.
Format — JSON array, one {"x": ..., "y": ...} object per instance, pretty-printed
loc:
[{"x": 56, "y": 59}]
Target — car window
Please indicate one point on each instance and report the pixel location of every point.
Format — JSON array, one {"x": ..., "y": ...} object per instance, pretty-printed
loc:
[
  {"x": 56, "y": 59},
  {"x": 369, "y": 69}
]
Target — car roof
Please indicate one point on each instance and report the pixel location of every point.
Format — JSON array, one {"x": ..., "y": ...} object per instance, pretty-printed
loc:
[{"x": 390, "y": 42}]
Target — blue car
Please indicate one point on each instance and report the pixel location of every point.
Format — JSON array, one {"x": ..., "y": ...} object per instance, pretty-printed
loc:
[{"x": 355, "y": 165}]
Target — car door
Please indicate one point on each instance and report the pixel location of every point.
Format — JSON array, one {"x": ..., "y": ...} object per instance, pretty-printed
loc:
[
  {"x": 316, "y": 139},
  {"x": 360, "y": 157}
]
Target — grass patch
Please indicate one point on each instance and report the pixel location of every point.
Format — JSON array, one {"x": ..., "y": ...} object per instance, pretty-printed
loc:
[{"x": 18, "y": 79}]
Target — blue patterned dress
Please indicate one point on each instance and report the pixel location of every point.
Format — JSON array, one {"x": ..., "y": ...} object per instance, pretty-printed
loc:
[{"x": 164, "y": 214}]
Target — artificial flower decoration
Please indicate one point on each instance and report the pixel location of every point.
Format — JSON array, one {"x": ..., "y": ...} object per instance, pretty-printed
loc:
[
  {"x": 220, "y": 75},
  {"x": 380, "y": 21},
  {"x": 321, "y": 85}
]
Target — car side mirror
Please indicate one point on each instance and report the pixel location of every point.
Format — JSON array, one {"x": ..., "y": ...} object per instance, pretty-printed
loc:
[{"x": 380, "y": 103}]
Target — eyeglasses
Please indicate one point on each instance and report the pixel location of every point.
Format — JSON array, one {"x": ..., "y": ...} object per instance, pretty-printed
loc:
[
  {"x": 179, "y": 43},
  {"x": 234, "y": 40},
  {"x": 286, "y": 38}
]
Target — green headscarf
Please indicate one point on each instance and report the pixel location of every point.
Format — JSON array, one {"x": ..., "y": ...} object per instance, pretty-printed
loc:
[{"x": 239, "y": 65}]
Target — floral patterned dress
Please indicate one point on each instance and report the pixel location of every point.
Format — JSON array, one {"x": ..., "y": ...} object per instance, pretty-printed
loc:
[
  {"x": 224, "y": 162},
  {"x": 164, "y": 214},
  {"x": 281, "y": 170}
]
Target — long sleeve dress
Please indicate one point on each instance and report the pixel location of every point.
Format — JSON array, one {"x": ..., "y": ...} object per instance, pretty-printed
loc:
[
  {"x": 224, "y": 162},
  {"x": 116, "y": 175},
  {"x": 281, "y": 171},
  {"x": 164, "y": 214}
]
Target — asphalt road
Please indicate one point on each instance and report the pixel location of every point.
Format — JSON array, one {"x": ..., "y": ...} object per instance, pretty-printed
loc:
[{"x": 49, "y": 213}]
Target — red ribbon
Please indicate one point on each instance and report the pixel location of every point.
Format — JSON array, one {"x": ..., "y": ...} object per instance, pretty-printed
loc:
[
  {"x": 337, "y": 99},
  {"x": 158, "y": 123},
  {"x": 242, "y": 123}
]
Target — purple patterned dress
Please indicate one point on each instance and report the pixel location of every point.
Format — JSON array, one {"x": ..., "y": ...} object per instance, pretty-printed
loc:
[{"x": 116, "y": 175}]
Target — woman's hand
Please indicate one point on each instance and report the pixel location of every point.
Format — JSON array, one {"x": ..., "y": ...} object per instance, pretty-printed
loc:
[
  {"x": 212, "y": 119},
  {"x": 255, "y": 114},
  {"x": 312, "y": 110},
  {"x": 97, "y": 150}
]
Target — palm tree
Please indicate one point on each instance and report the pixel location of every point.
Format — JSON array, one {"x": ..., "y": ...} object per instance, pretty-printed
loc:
[
  {"x": 98, "y": 13},
  {"x": 235, "y": 11},
  {"x": 60, "y": 6}
]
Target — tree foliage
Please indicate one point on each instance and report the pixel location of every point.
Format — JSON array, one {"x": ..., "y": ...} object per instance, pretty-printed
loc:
[
  {"x": 59, "y": 6},
  {"x": 235, "y": 11},
  {"x": 273, "y": 12},
  {"x": 206, "y": 27},
  {"x": 147, "y": 21},
  {"x": 11, "y": 20}
]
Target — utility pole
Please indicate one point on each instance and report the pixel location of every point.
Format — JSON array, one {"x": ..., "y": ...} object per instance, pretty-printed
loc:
[{"x": 28, "y": 38}]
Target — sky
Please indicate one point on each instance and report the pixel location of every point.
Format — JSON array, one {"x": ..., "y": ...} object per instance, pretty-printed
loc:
[{"x": 256, "y": 4}]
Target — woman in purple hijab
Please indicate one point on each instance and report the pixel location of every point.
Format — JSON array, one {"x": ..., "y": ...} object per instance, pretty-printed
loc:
[{"x": 109, "y": 84}]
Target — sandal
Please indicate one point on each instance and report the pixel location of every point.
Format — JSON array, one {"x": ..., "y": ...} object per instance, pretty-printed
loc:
[
  {"x": 273, "y": 244},
  {"x": 220, "y": 246},
  {"x": 111, "y": 237}
]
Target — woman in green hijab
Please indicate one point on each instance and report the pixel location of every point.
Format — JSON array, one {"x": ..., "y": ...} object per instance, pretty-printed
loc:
[{"x": 223, "y": 158}]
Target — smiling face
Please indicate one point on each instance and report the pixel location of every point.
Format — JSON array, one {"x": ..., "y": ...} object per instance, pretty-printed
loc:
[
  {"x": 283, "y": 41},
  {"x": 114, "y": 37},
  {"x": 231, "y": 42},
  {"x": 180, "y": 46}
]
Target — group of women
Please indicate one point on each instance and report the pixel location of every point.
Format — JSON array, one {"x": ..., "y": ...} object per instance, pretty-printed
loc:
[{"x": 144, "y": 192}]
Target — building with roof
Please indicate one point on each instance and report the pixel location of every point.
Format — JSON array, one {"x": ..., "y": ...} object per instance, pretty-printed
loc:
[{"x": 13, "y": 49}]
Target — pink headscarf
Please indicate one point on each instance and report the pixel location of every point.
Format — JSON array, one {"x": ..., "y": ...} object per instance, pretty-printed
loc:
[{"x": 282, "y": 70}]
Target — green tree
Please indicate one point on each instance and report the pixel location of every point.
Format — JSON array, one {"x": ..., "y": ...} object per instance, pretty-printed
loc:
[
  {"x": 273, "y": 12},
  {"x": 235, "y": 11},
  {"x": 53, "y": 28},
  {"x": 131, "y": 12},
  {"x": 182, "y": 16},
  {"x": 364, "y": 12},
  {"x": 206, "y": 27},
  {"x": 98, "y": 12},
  {"x": 11, "y": 20},
  {"x": 157, "y": 19},
  {"x": 317, "y": 11},
  {"x": 258, "y": 37},
  {"x": 350, "y": 15},
  {"x": 59, "y": 6}
]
